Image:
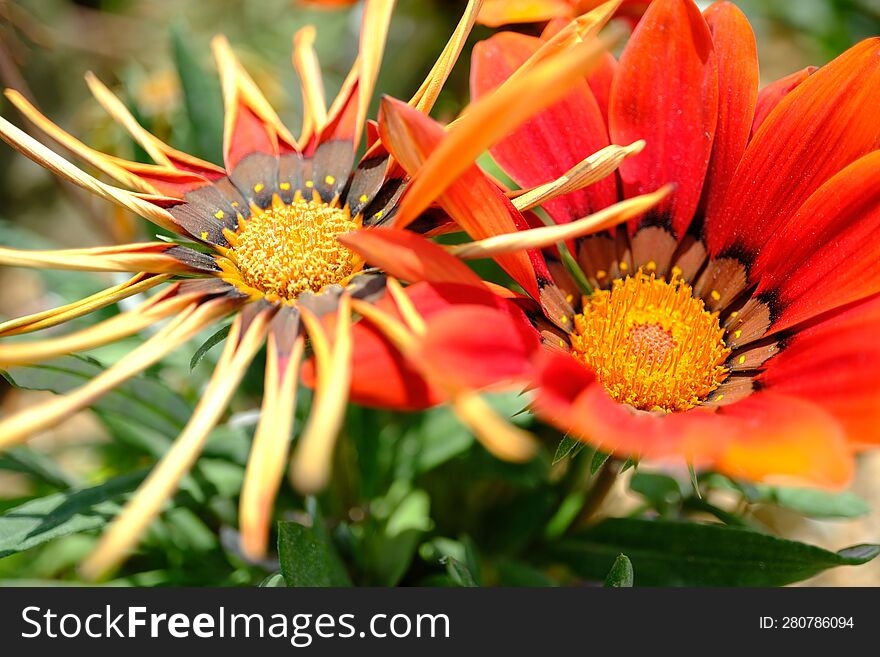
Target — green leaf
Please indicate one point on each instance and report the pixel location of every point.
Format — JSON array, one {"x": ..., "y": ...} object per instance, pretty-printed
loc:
[
  {"x": 567, "y": 447},
  {"x": 810, "y": 502},
  {"x": 141, "y": 399},
  {"x": 621, "y": 573},
  {"x": 459, "y": 573},
  {"x": 201, "y": 95},
  {"x": 308, "y": 558},
  {"x": 22, "y": 459},
  {"x": 207, "y": 345},
  {"x": 599, "y": 459},
  {"x": 662, "y": 491},
  {"x": 275, "y": 580},
  {"x": 690, "y": 554},
  {"x": 45, "y": 518}
]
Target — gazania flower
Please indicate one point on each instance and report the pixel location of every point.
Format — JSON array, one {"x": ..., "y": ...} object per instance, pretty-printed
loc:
[
  {"x": 733, "y": 323},
  {"x": 259, "y": 240}
]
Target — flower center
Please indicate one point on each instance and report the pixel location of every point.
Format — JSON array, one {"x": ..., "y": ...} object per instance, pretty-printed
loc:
[
  {"x": 288, "y": 249},
  {"x": 651, "y": 343}
]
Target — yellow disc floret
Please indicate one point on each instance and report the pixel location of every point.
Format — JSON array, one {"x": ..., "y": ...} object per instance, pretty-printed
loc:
[
  {"x": 652, "y": 344},
  {"x": 288, "y": 249}
]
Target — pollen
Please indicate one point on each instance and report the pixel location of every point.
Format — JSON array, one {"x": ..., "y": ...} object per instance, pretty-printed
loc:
[
  {"x": 652, "y": 344},
  {"x": 289, "y": 249}
]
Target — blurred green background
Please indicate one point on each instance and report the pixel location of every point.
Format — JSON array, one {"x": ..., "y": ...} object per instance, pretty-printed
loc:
[{"x": 414, "y": 500}]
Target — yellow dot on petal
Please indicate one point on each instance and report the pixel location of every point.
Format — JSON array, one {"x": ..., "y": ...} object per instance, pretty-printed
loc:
[
  {"x": 219, "y": 214},
  {"x": 563, "y": 320},
  {"x": 623, "y": 266},
  {"x": 601, "y": 274},
  {"x": 651, "y": 266},
  {"x": 676, "y": 271},
  {"x": 742, "y": 359},
  {"x": 204, "y": 234},
  {"x": 310, "y": 184},
  {"x": 285, "y": 186},
  {"x": 716, "y": 295},
  {"x": 363, "y": 198},
  {"x": 259, "y": 187},
  {"x": 562, "y": 343},
  {"x": 378, "y": 215},
  {"x": 737, "y": 333},
  {"x": 734, "y": 314},
  {"x": 569, "y": 297},
  {"x": 235, "y": 204},
  {"x": 329, "y": 180},
  {"x": 719, "y": 398}
]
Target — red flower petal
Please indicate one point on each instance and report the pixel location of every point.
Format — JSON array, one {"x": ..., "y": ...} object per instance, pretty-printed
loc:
[
  {"x": 478, "y": 346},
  {"x": 834, "y": 364},
  {"x": 828, "y": 121},
  {"x": 666, "y": 92},
  {"x": 827, "y": 254},
  {"x": 769, "y": 96},
  {"x": 409, "y": 256},
  {"x": 600, "y": 81},
  {"x": 551, "y": 142},
  {"x": 737, "y": 57},
  {"x": 473, "y": 201},
  {"x": 782, "y": 438}
]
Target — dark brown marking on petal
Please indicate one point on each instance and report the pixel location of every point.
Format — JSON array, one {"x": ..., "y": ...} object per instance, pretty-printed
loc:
[
  {"x": 236, "y": 201},
  {"x": 293, "y": 171},
  {"x": 748, "y": 324},
  {"x": 250, "y": 312},
  {"x": 194, "y": 259},
  {"x": 654, "y": 219},
  {"x": 286, "y": 327},
  {"x": 256, "y": 177},
  {"x": 652, "y": 249},
  {"x": 563, "y": 278},
  {"x": 384, "y": 204},
  {"x": 366, "y": 182},
  {"x": 553, "y": 341},
  {"x": 556, "y": 307},
  {"x": 324, "y": 302},
  {"x": 734, "y": 389},
  {"x": 690, "y": 258},
  {"x": 754, "y": 355},
  {"x": 597, "y": 256},
  {"x": 208, "y": 287},
  {"x": 721, "y": 282},
  {"x": 332, "y": 163},
  {"x": 368, "y": 287},
  {"x": 204, "y": 214}
]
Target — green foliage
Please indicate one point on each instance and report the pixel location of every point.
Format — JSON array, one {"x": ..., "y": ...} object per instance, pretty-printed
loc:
[
  {"x": 678, "y": 553},
  {"x": 621, "y": 573}
]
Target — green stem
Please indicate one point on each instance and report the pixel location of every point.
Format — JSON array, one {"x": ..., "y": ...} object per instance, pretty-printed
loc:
[{"x": 602, "y": 485}]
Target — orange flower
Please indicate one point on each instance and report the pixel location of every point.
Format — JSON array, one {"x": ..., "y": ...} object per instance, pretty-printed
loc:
[{"x": 733, "y": 323}]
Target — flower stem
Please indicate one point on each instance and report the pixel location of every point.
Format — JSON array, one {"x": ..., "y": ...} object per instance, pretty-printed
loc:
[{"x": 602, "y": 485}]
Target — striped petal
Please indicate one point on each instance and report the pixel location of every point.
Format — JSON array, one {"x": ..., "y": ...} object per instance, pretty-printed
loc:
[
  {"x": 737, "y": 57},
  {"x": 150, "y": 257},
  {"x": 666, "y": 92},
  {"x": 245, "y": 339},
  {"x": 827, "y": 254},
  {"x": 833, "y": 363},
  {"x": 545, "y": 146},
  {"x": 831, "y": 113},
  {"x": 250, "y": 123},
  {"x": 769, "y": 96}
]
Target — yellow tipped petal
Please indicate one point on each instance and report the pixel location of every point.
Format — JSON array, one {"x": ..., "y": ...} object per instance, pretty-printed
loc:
[
  {"x": 428, "y": 92},
  {"x": 305, "y": 60},
  {"x": 151, "y": 257},
  {"x": 407, "y": 308},
  {"x": 592, "y": 169},
  {"x": 312, "y": 457},
  {"x": 538, "y": 238},
  {"x": 491, "y": 118},
  {"x": 374, "y": 33},
  {"x": 147, "y": 502},
  {"x": 265, "y": 466},
  {"x": 497, "y": 435},
  {"x": 16, "y": 428},
  {"x": 110, "y": 330},
  {"x": 33, "y": 149},
  {"x": 135, "y": 285}
]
